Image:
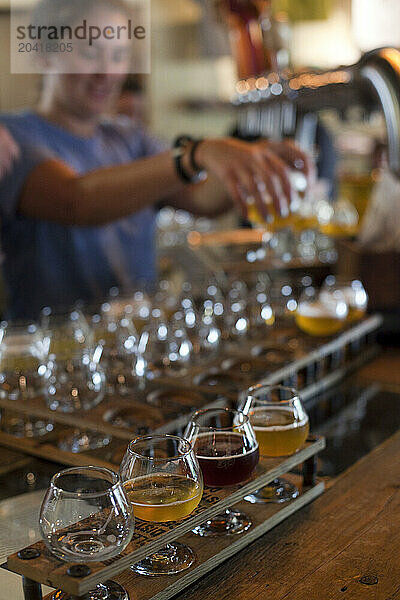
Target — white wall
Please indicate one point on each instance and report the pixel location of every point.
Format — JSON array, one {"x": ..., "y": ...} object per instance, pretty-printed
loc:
[{"x": 327, "y": 43}]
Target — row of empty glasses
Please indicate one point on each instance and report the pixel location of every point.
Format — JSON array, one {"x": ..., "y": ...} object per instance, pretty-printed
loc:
[
  {"x": 73, "y": 360},
  {"x": 56, "y": 360},
  {"x": 161, "y": 480}
]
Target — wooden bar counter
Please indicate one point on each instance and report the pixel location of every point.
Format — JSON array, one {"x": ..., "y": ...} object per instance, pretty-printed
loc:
[{"x": 345, "y": 544}]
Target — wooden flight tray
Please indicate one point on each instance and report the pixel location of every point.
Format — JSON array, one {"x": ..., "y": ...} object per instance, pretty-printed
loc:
[
  {"x": 308, "y": 360},
  {"x": 323, "y": 366},
  {"x": 36, "y": 564}
]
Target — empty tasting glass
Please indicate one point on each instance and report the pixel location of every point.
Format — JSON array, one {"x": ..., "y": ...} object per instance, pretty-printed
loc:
[
  {"x": 23, "y": 353},
  {"x": 281, "y": 426},
  {"x": 73, "y": 385},
  {"x": 165, "y": 298},
  {"x": 227, "y": 451},
  {"x": 73, "y": 377},
  {"x": 69, "y": 334},
  {"x": 283, "y": 302},
  {"x": 260, "y": 309},
  {"x": 86, "y": 517},
  {"x": 163, "y": 482},
  {"x": 202, "y": 331},
  {"x": 165, "y": 347},
  {"x": 236, "y": 321},
  {"x": 118, "y": 338}
]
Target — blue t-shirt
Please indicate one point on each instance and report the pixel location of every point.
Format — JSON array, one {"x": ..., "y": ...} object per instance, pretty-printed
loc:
[{"x": 47, "y": 264}]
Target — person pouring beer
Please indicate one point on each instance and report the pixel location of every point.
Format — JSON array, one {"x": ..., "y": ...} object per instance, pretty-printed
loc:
[{"x": 78, "y": 208}]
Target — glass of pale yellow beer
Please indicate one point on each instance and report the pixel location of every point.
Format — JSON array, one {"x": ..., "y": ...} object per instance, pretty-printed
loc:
[
  {"x": 354, "y": 293},
  {"x": 163, "y": 482},
  {"x": 281, "y": 426},
  {"x": 321, "y": 313},
  {"x": 337, "y": 220}
]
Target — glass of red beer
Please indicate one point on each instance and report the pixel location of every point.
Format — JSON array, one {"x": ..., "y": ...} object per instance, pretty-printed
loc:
[{"x": 227, "y": 451}]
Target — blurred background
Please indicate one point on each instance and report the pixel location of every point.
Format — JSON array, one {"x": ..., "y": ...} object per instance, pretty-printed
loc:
[
  {"x": 195, "y": 81},
  {"x": 192, "y": 64}
]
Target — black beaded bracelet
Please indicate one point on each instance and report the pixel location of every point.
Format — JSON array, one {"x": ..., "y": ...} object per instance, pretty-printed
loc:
[
  {"x": 193, "y": 163},
  {"x": 179, "y": 149}
]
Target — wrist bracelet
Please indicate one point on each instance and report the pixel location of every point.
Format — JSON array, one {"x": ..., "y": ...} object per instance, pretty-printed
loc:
[
  {"x": 193, "y": 163},
  {"x": 179, "y": 148}
]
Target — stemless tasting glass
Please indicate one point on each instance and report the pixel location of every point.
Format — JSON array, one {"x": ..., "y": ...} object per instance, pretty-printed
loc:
[
  {"x": 163, "y": 482},
  {"x": 281, "y": 426},
  {"x": 86, "y": 517},
  {"x": 227, "y": 451}
]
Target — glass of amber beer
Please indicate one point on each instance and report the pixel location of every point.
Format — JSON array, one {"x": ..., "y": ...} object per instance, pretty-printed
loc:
[
  {"x": 163, "y": 482},
  {"x": 281, "y": 426}
]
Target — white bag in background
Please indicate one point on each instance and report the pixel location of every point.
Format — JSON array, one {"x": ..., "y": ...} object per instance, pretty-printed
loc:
[{"x": 380, "y": 227}]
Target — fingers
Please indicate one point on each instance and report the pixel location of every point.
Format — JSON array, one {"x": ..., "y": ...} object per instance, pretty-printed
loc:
[
  {"x": 262, "y": 177},
  {"x": 264, "y": 201},
  {"x": 258, "y": 170},
  {"x": 236, "y": 193},
  {"x": 292, "y": 155},
  {"x": 252, "y": 187},
  {"x": 273, "y": 173},
  {"x": 278, "y": 181}
]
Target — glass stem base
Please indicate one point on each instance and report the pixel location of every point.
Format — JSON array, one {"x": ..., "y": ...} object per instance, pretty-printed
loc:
[
  {"x": 172, "y": 559},
  {"x": 110, "y": 590},
  {"x": 231, "y": 522},
  {"x": 277, "y": 491}
]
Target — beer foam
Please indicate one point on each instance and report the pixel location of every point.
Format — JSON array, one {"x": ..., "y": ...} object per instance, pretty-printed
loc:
[
  {"x": 316, "y": 310},
  {"x": 294, "y": 425},
  {"x": 270, "y": 409}
]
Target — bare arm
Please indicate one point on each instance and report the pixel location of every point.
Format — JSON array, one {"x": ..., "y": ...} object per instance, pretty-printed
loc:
[
  {"x": 232, "y": 180},
  {"x": 54, "y": 192},
  {"x": 207, "y": 199}
]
